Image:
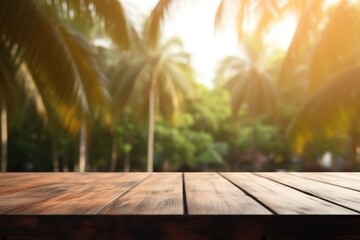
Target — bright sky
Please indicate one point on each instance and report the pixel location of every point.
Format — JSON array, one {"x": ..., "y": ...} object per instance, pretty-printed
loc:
[{"x": 193, "y": 22}]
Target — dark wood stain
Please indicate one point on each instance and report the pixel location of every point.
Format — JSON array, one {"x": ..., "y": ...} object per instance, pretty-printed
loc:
[{"x": 254, "y": 227}]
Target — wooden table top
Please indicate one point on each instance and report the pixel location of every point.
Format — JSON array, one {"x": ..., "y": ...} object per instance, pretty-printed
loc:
[{"x": 179, "y": 193}]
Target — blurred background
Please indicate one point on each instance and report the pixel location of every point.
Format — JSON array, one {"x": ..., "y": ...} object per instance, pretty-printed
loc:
[{"x": 180, "y": 85}]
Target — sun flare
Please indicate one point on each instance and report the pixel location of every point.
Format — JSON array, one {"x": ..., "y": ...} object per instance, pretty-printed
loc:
[{"x": 281, "y": 33}]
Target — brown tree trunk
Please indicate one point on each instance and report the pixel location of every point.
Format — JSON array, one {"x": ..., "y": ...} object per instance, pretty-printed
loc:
[
  {"x": 114, "y": 155},
  {"x": 127, "y": 162},
  {"x": 4, "y": 138},
  {"x": 66, "y": 163},
  {"x": 150, "y": 155},
  {"x": 255, "y": 164},
  {"x": 55, "y": 155},
  {"x": 166, "y": 165},
  {"x": 353, "y": 161},
  {"x": 82, "y": 149}
]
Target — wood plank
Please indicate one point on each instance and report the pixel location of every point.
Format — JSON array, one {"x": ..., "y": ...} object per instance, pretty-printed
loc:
[
  {"x": 282, "y": 199},
  {"x": 11, "y": 201},
  {"x": 342, "y": 196},
  {"x": 12, "y": 182},
  {"x": 347, "y": 175},
  {"x": 97, "y": 191},
  {"x": 160, "y": 193},
  {"x": 209, "y": 193},
  {"x": 334, "y": 179}
]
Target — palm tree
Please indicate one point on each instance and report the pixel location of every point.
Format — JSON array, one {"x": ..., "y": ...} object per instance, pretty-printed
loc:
[
  {"x": 332, "y": 112},
  {"x": 164, "y": 78},
  {"x": 250, "y": 85},
  {"x": 319, "y": 29},
  {"x": 65, "y": 73},
  {"x": 4, "y": 138},
  {"x": 122, "y": 75},
  {"x": 9, "y": 95},
  {"x": 331, "y": 107}
]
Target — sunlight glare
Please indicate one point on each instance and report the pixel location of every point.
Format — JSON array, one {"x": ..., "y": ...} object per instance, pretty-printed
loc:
[
  {"x": 194, "y": 23},
  {"x": 330, "y": 2},
  {"x": 281, "y": 33}
]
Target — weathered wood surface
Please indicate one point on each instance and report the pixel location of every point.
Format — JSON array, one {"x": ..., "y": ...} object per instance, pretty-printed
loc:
[
  {"x": 345, "y": 197},
  {"x": 160, "y": 193},
  {"x": 209, "y": 193},
  {"x": 282, "y": 199},
  {"x": 12, "y": 182},
  {"x": 345, "y": 180},
  {"x": 89, "y": 197},
  {"x": 179, "y": 194}
]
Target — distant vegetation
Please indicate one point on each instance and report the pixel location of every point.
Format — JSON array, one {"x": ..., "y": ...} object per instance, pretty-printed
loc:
[{"x": 69, "y": 105}]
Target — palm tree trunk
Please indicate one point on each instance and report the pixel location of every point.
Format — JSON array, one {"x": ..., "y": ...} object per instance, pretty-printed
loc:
[
  {"x": 166, "y": 165},
  {"x": 4, "y": 138},
  {"x": 66, "y": 163},
  {"x": 150, "y": 155},
  {"x": 82, "y": 149},
  {"x": 255, "y": 147},
  {"x": 114, "y": 155},
  {"x": 127, "y": 162},
  {"x": 55, "y": 155},
  {"x": 354, "y": 144}
]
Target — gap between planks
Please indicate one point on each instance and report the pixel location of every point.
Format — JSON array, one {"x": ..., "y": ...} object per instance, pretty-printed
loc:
[
  {"x": 86, "y": 194},
  {"x": 335, "y": 179},
  {"x": 284, "y": 199},
  {"x": 211, "y": 193},
  {"x": 336, "y": 195}
]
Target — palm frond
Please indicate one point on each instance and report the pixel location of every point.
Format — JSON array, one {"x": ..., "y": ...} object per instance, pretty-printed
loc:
[
  {"x": 124, "y": 84},
  {"x": 228, "y": 68},
  {"x": 109, "y": 13},
  {"x": 10, "y": 92},
  {"x": 156, "y": 17},
  {"x": 341, "y": 35},
  {"x": 92, "y": 79},
  {"x": 219, "y": 14},
  {"x": 331, "y": 112},
  {"x": 171, "y": 44},
  {"x": 40, "y": 45},
  {"x": 27, "y": 82},
  {"x": 55, "y": 57},
  {"x": 267, "y": 12},
  {"x": 308, "y": 24},
  {"x": 253, "y": 90}
]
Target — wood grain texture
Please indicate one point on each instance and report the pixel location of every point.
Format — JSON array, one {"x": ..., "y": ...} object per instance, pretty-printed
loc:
[
  {"x": 209, "y": 193},
  {"x": 337, "y": 179},
  {"x": 13, "y": 182},
  {"x": 90, "y": 197},
  {"x": 10, "y": 202},
  {"x": 342, "y": 196},
  {"x": 160, "y": 193},
  {"x": 282, "y": 199}
]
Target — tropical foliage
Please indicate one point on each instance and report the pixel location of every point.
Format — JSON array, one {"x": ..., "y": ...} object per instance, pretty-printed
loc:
[{"x": 134, "y": 105}]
